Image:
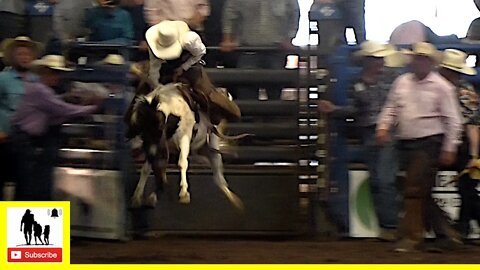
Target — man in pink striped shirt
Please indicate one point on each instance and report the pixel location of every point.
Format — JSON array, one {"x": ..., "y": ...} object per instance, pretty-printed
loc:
[{"x": 424, "y": 108}]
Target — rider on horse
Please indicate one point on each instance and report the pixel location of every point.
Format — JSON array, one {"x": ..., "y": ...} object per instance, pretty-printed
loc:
[{"x": 175, "y": 56}]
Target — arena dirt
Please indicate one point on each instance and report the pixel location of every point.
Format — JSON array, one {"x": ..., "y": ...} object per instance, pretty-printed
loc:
[{"x": 270, "y": 250}]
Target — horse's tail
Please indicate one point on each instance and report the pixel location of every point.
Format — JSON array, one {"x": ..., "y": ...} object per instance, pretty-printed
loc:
[{"x": 215, "y": 131}]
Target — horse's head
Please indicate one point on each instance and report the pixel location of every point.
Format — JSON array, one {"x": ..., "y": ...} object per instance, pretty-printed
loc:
[{"x": 146, "y": 120}]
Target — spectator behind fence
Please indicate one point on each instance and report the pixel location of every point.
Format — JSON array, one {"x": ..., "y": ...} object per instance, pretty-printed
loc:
[
  {"x": 260, "y": 23},
  {"x": 69, "y": 22},
  {"x": 473, "y": 32},
  {"x": 175, "y": 54},
  {"x": 12, "y": 19},
  {"x": 109, "y": 23},
  {"x": 424, "y": 106},
  {"x": 213, "y": 37},
  {"x": 135, "y": 9},
  {"x": 18, "y": 54},
  {"x": 2, "y": 65},
  {"x": 415, "y": 31},
  {"x": 368, "y": 95},
  {"x": 452, "y": 67},
  {"x": 157, "y": 11},
  {"x": 39, "y": 19},
  {"x": 35, "y": 127},
  {"x": 353, "y": 16}
]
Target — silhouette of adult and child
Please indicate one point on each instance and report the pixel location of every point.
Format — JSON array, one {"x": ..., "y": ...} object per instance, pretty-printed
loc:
[{"x": 29, "y": 225}]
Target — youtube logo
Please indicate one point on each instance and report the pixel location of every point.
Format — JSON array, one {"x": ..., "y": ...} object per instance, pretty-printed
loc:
[
  {"x": 16, "y": 255},
  {"x": 34, "y": 255}
]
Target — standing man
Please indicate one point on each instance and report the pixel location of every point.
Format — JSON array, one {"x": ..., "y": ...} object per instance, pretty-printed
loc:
[
  {"x": 424, "y": 106},
  {"x": 26, "y": 225},
  {"x": 12, "y": 18},
  {"x": 368, "y": 95},
  {"x": 18, "y": 55},
  {"x": 260, "y": 23},
  {"x": 34, "y": 124},
  {"x": 452, "y": 68},
  {"x": 109, "y": 23},
  {"x": 69, "y": 19}
]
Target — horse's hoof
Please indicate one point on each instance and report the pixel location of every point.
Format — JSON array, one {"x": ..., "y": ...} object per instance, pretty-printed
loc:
[
  {"x": 136, "y": 202},
  {"x": 234, "y": 199},
  {"x": 185, "y": 199},
  {"x": 151, "y": 200}
]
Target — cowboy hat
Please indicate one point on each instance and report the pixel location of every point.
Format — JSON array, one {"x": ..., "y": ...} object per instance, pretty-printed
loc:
[
  {"x": 456, "y": 60},
  {"x": 424, "y": 49},
  {"x": 374, "y": 49},
  {"x": 10, "y": 43},
  {"x": 51, "y": 61},
  {"x": 164, "y": 39},
  {"x": 113, "y": 59},
  {"x": 396, "y": 59}
]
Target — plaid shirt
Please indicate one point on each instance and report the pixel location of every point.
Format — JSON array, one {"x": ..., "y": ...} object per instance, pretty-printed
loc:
[
  {"x": 365, "y": 103},
  {"x": 469, "y": 103}
]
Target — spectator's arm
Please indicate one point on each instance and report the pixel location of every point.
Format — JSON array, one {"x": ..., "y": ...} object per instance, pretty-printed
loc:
[
  {"x": 193, "y": 43},
  {"x": 154, "y": 71},
  {"x": 452, "y": 120},
  {"x": 293, "y": 18},
  {"x": 203, "y": 6},
  {"x": 230, "y": 17},
  {"x": 58, "y": 25},
  {"x": 128, "y": 32},
  {"x": 389, "y": 113},
  {"x": 153, "y": 10},
  {"x": 90, "y": 19},
  {"x": 473, "y": 134},
  {"x": 4, "y": 110},
  {"x": 57, "y": 109}
]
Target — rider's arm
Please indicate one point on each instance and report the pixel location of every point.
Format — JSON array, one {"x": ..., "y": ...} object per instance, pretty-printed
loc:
[
  {"x": 154, "y": 70},
  {"x": 193, "y": 43}
]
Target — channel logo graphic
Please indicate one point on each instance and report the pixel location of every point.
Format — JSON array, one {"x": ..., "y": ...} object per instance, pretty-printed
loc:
[
  {"x": 16, "y": 255},
  {"x": 34, "y": 235}
]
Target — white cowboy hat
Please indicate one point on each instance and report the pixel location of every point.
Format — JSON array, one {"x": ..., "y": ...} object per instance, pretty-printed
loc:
[
  {"x": 456, "y": 60},
  {"x": 51, "y": 61},
  {"x": 10, "y": 43},
  {"x": 396, "y": 59},
  {"x": 392, "y": 57},
  {"x": 374, "y": 49},
  {"x": 424, "y": 49},
  {"x": 164, "y": 39},
  {"x": 113, "y": 59}
]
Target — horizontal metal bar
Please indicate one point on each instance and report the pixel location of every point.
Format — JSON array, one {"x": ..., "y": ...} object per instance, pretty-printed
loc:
[
  {"x": 240, "y": 76},
  {"x": 268, "y": 107},
  {"x": 287, "y": 130}
]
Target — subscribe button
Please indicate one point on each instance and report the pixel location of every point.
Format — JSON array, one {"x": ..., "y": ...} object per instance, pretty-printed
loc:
[{"x": 34, "y": 255}]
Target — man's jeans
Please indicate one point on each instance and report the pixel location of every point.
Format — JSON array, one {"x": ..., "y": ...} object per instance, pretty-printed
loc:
[
  {"x": 382, "y": 165},
  {"x": 260, "y": 60},
  {"x": 420, "y": 158}
]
